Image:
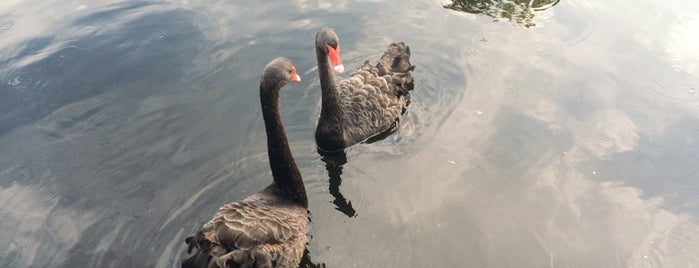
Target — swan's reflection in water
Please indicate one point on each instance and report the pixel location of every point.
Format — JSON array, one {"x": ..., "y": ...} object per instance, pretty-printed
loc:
[
  {"x": 306, "y": 261},
  {"x": 333, "y": 164}
]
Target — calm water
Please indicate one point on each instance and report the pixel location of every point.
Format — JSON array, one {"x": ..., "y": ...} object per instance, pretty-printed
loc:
[{"x": 547, "y": 134}]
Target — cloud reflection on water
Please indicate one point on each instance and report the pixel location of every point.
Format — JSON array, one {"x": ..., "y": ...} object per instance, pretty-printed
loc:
[
  {"x": 516, "y": 153},
  {"x": 527, "y": 171},
  {"x": 34, "y": 227}
]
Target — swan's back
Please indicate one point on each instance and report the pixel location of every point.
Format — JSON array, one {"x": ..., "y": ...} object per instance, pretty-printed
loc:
[
  {"x": 262, "y": 230},
  {"x": 375, "y": 96}
]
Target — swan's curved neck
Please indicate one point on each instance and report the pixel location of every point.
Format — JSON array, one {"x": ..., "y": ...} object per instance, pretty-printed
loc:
[
  {"x": 331, "y": 110},
  {"x": 329, "y": 132},
  {"x": 287, "y": 177}
]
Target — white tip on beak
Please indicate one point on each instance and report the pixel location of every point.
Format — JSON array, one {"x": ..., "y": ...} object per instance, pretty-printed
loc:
[
  {"x": 297, "y": 79},
  {"x": 339, "y": 69}
]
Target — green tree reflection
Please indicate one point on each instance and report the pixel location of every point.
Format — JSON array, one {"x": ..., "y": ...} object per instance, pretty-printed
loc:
[{"x": 521, "y": 12}]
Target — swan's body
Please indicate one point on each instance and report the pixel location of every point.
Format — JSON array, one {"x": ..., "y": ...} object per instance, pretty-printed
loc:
[
  {"x": 368, "y": 102},
  {"x": 268, "y": 228}
]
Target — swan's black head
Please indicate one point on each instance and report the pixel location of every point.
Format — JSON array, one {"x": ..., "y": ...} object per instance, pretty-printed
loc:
[
  {"x": 278, "y": 72},
  {"x": 328, "y": 43},
  {"x": 327, "y": 37}
]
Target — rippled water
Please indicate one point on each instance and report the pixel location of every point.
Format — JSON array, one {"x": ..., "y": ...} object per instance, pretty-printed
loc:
[{"x": 566, "y": 139}]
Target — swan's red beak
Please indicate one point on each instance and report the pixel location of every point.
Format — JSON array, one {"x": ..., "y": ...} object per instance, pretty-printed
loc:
[
  {"x": 335, "y": 60},
  {"x": 294, "y": 76}
]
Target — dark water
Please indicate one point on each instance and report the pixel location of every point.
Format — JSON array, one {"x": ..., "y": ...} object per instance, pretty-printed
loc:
[{"x": 541, "y": 133}]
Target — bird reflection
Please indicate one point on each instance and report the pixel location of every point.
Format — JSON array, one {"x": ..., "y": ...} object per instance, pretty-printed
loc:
[
  {"x": 306, "y": 261},
  {"x": 333, "y": 163},
  {"x": 520, "y": 12},
  {"x": 335, "y": 160},
  {"x": 386, "y": 133}
]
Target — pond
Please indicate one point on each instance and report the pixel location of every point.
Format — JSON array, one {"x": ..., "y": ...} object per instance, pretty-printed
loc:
[{"x": 540, "y": 133}]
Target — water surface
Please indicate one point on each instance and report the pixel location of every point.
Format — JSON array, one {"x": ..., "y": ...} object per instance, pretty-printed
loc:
[{"x": 567, "y": 139}]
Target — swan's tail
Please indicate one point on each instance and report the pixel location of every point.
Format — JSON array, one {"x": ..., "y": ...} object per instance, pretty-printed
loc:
[
  {"x": 396, "y": 61},
  {"x": 201, "y": 257}
]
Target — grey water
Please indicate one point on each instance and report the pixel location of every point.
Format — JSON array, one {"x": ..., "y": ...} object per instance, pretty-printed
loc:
[{"x": 540, "y": 133}]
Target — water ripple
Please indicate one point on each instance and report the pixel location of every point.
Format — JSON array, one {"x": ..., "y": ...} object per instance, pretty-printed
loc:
[
  {"x": 6, "y": 27},
  {"x": 581, "y": 25},
  {"x": 671, "y": 85},
  {"x": 158, "y": 35},
  {"x": 682, "y": 44}
]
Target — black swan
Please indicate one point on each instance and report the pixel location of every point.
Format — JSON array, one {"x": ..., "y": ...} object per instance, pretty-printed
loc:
[
  {"x": 268, "y": 228},
  {"x": 368, "y": 102}
]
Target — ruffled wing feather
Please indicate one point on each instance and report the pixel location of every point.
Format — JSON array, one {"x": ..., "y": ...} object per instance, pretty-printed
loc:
[
  {"x": 375, "y": 96},
  {"x": 258, "y": 231}
]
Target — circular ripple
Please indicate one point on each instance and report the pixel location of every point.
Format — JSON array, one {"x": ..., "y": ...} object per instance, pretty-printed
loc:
[
  {"x": 6, "y": 27},
  {"x": 158, "y": 35},
  {"x": 582, "y": 28},
  {"x": 674, "y": 86},
  {"x": 10, "y": 255}
]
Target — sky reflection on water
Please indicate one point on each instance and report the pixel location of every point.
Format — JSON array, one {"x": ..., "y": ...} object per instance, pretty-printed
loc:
[{"x": 124, "y": 126}]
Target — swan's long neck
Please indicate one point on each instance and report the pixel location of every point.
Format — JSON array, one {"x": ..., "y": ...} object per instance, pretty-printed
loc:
[
  {"x": 287, "y": 177},
  {"x": 330, "y": 108},
  {"x": 330, "y": 122}
]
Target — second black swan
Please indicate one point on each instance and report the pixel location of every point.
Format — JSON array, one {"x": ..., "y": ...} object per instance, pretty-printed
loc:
[{"x": 368, "y": 102}]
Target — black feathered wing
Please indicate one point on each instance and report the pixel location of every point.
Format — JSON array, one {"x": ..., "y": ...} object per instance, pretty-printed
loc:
[
  {"x": 259, "y": 231},
  {"x": 375, "y": 96}
]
